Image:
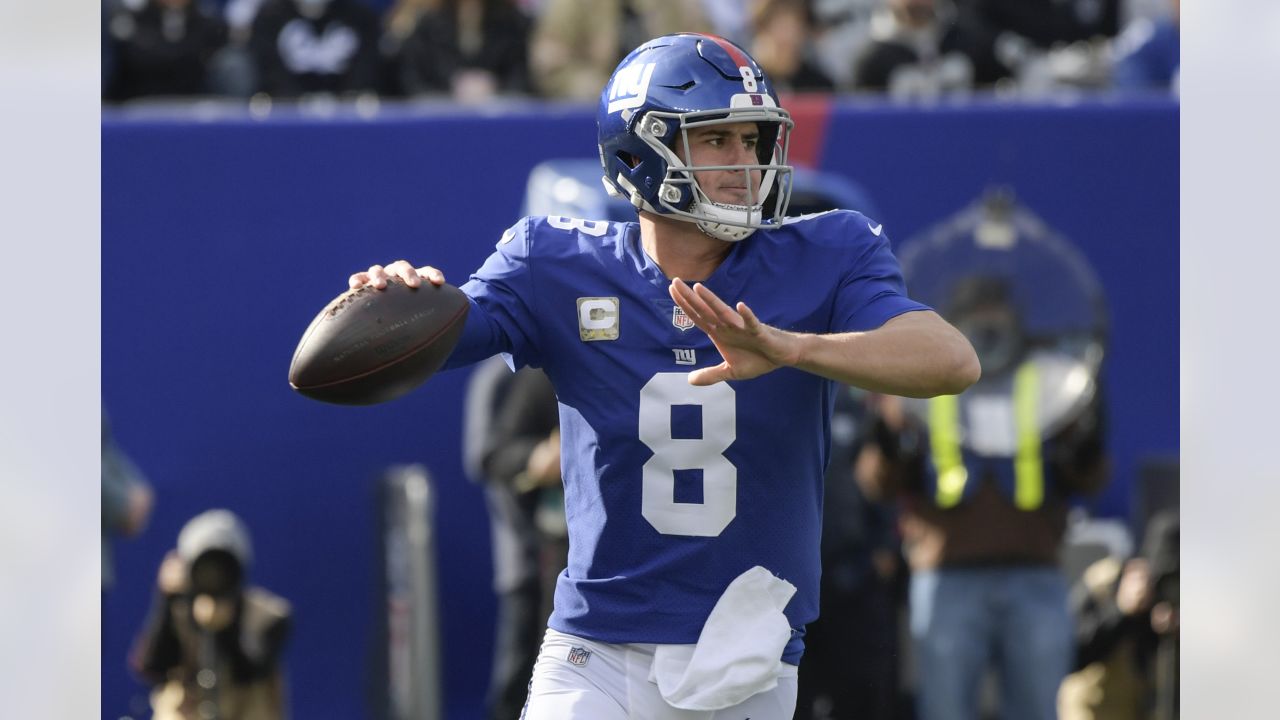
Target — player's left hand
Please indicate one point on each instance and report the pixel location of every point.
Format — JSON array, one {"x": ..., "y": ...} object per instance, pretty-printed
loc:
[{"x": 749, "y": 347}]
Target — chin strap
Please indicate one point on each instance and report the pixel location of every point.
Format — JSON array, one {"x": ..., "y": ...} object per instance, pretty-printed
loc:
[{"x": 721, "y": 230}]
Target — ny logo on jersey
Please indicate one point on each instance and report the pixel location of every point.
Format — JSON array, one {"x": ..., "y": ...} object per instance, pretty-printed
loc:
[
  {"x": 597, "y": 318},
  {"x": 578, "y": 656},
  {"x": 680, "y": 320},
  {"x": 685, "y": 356}
]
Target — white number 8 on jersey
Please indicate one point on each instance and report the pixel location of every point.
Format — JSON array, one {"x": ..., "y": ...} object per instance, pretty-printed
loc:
[{"x": 719, "y": 477}]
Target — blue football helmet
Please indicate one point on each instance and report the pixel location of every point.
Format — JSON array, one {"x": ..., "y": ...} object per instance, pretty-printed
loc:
[{"x": 669, "y": 86}]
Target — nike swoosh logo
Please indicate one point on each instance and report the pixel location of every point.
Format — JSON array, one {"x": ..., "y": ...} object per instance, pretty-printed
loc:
[{"x": 875, "y": 230}]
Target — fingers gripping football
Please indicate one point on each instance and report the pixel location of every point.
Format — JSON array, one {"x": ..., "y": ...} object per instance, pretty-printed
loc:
[{"x": 378, "y": 275}]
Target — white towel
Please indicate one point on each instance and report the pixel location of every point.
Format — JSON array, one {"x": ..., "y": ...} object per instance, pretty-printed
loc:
[{"x": 739, "y": 650}]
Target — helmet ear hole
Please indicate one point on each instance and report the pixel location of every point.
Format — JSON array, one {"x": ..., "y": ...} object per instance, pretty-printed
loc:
[{"x": 628, "y": 159}]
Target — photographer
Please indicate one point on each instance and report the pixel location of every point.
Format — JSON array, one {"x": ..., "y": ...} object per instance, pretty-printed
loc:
[
  {"x": 212, "y": 646},
  {"x": 1127, "y": 633}
]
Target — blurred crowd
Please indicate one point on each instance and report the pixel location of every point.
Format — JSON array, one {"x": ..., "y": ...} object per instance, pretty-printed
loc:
[{"x": 472, "y": 51}]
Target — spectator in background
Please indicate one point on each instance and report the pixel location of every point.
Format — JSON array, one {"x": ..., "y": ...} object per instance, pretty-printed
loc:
[
  {"x": 212, "y": 646},
  {"x": 842, "y": 29},
  {"x": 470, "y": 50},
  {"x": 730, "y": 19},
  {"x": 1049, "y": 45},
  {"x": 399, "y": 22},
  {"x": 302, "y": 47},
  {"x": 1046, "y": 23},
  {"x": 849, "y": 668},
  {"x": 512, "y": 445},
  {"x": 577, "y": 43},
  {"x": 782, "y": 42},
  {"x": 986, "y": 495},
  {"x": 232, "y": 68},
  {"x": 403, "y": 17},
  {"x": 920, "y": 50},
  {"x": 1127, "y": 633},
  {"x": 1147, "y": 54},
  {"x": 162, "y": 48},
  {"x": 126, "y": 500}
]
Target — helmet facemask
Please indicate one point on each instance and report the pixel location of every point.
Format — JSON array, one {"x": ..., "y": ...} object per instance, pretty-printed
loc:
[{"x": 680, "y": 193}]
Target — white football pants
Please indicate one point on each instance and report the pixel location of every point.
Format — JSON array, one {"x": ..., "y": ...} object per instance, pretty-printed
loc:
[{"x": 579, "y": 679}]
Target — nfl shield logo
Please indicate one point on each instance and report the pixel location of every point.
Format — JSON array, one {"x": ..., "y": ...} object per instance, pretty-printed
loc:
[
  {"x": 578, "y": 656},
  {"x": 680, "y": 320}
]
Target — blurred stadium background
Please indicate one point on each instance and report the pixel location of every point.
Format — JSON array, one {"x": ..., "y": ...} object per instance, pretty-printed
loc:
[{"x": 258, "y": 211}]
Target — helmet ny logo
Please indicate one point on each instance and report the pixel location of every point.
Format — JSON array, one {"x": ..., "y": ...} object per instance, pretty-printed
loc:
[{"x": 630, "y": 86}]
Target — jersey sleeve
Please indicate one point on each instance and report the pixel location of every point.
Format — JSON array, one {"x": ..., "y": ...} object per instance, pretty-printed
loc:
[
  {"x": 502, "y": 316},
  {"x": 872, "y": 290}
]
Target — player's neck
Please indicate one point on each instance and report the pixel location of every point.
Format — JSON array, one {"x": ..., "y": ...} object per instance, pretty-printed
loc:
[{"x": 680, "y": 249}]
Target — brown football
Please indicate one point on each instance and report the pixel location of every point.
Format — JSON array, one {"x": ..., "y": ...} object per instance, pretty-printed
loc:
[{"x": 369, "y": 346}]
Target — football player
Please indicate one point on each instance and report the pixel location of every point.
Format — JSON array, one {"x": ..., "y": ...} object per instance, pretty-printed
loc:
[{"x": 695, "y": 355}]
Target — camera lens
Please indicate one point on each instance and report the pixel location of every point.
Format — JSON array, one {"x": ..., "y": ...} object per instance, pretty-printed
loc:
[{"x": 216, "y": 573}]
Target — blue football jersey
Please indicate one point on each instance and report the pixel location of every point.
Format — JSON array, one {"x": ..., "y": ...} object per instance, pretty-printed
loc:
[{"x": 672, "y": 490}]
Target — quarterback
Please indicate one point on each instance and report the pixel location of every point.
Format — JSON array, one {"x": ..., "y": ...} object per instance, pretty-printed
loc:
[{"x": 695, "y": 355}]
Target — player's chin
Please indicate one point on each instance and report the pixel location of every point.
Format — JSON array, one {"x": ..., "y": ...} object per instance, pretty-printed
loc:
[{"x": 734, "y": 196}]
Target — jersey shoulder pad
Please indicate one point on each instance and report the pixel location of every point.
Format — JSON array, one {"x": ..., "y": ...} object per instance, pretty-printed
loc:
[
  {"x": 811, "y": 217},
  {"x": 562, "y": 237},
  {"x": 836, "y": 228},
  {"x": 515, "y": 239},
  {"x": 561, "y": 225}
]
